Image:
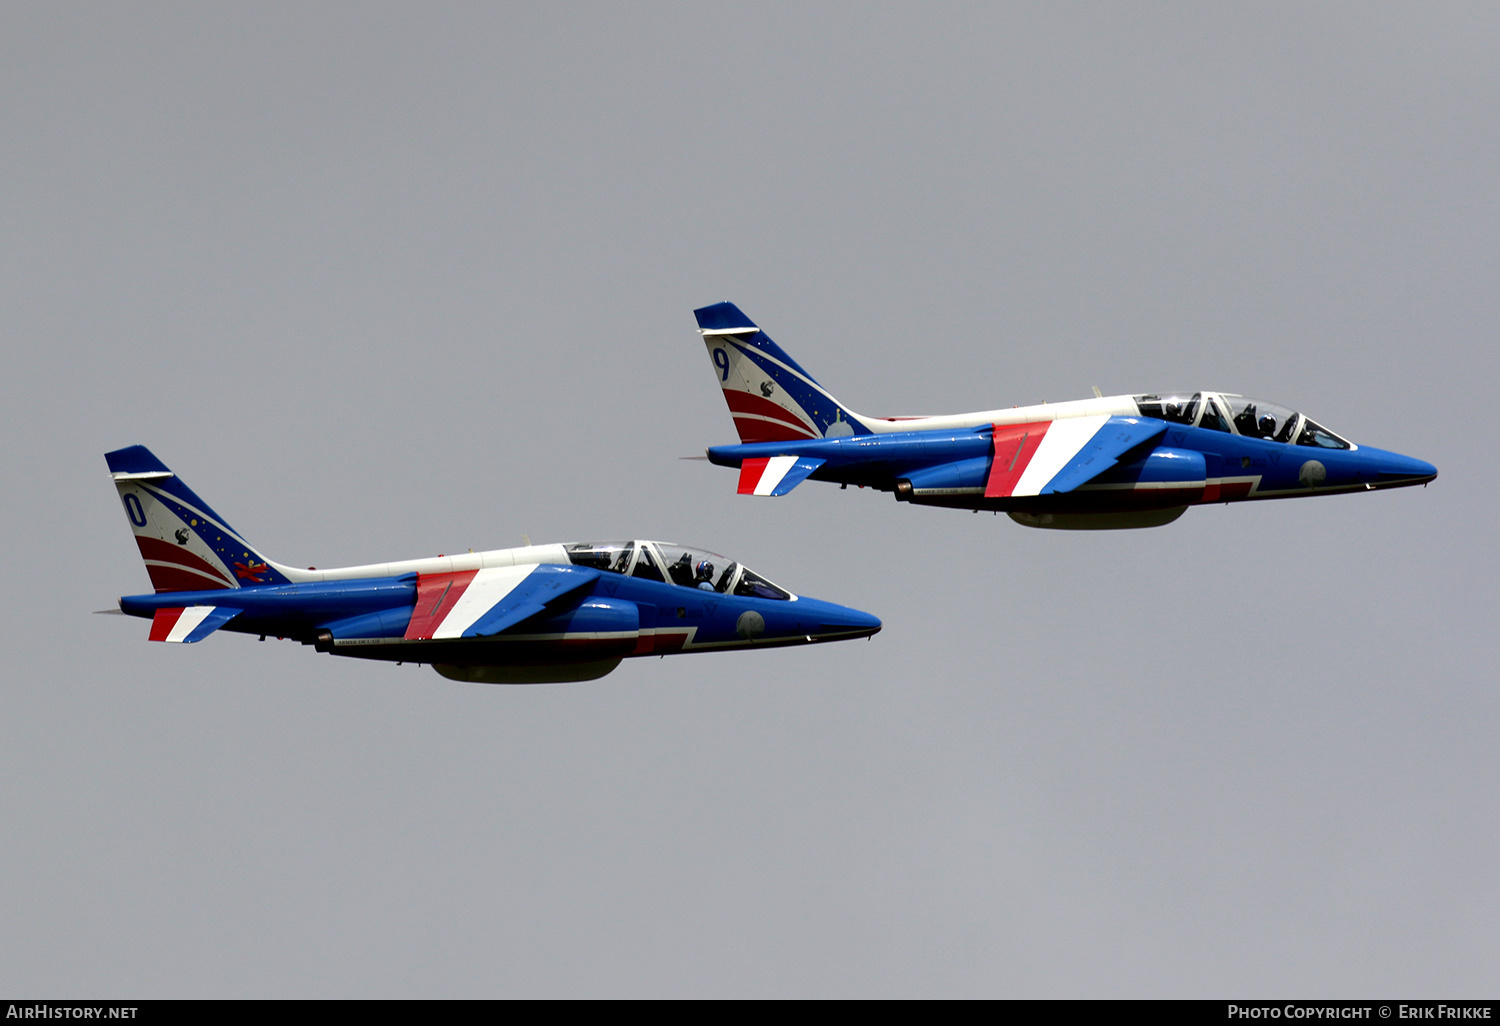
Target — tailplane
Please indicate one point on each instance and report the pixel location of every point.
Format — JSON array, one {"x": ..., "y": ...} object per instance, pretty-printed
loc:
[
  {"x": 186, "y": 545},
  {"x": 771, "y": 398}
]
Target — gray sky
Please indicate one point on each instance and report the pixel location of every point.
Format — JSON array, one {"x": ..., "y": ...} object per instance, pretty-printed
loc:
[{"x": 386, "y": 281}]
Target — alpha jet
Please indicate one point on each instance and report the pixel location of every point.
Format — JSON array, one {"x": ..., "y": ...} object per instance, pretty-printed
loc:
[
  {"x": 1109, "y": 462},
  {"x": 538, "y": 614}
]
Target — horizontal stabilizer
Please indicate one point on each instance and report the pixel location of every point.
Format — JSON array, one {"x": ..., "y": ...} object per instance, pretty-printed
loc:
[
  {"x": 187, "y": 624},
  {"x": 775, "y": 475},
  {"x": 479, "y": 603}
]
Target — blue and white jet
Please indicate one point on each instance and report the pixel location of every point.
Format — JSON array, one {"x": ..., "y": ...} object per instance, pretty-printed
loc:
[
  {"x": 538, "y": 614},
  {"x": 1118, "y": 461}
]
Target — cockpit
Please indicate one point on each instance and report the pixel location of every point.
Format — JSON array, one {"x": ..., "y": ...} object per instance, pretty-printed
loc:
[
  {"x": 1239, "y": 415},
  {"x": 671, "y": 563}
]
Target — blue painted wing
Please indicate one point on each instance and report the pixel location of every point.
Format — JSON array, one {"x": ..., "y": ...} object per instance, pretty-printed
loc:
[
  {"x": 529, "y": 597},
  {"x": 1117, "y": 436}
]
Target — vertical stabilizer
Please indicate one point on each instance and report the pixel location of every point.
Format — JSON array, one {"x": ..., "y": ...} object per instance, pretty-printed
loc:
[
  {"x": 770, "y": 397},
  {"x": 185, "y": 544}
]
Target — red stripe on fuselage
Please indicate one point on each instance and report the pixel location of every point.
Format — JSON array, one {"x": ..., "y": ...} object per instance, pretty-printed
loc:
[
  {"x": 436, "y": 596},
  {"x": 659, "y": 641},
  {"x": 667, "y": 641},
  {"x": 1014, "y": 445},
  {"x": 163, "y": 622}
]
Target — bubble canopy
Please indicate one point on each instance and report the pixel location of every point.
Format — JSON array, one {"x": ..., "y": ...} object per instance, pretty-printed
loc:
[
  {"x": 1240, "y": 415},
  {"x": 670, "y": 563}
]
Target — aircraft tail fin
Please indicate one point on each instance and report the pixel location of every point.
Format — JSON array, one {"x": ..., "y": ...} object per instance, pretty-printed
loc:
[
  {"x": 185, "y": 544},
  {"x": 770, "y": 397}
]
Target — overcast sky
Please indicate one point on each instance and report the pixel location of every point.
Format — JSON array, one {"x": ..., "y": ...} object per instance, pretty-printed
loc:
[{"x": 381, "y": 281}]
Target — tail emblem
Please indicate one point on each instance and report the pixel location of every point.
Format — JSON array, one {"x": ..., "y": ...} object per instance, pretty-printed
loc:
[{"x": 250, "y": 572}]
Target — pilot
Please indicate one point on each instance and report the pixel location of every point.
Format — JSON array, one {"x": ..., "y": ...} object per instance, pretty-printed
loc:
[
  {"x": 704, "y": 576},
  {"x": 1267, "y": 426}
]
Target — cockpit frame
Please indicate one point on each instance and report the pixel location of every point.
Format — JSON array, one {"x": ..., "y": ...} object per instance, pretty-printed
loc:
[
  {"x": 677, "y": 565},
  {"x": 1238, "y": 415}
]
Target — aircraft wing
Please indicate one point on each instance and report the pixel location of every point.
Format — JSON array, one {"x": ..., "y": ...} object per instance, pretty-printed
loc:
[
  {"x": 1053, "y": 457},
  {"x": 775, "y": 475},
  {"x": 187, "y": 624},
  {"x": 479, "y": 603}
]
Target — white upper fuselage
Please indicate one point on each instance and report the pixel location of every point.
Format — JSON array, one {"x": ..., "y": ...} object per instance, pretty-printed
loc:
[
  {"x": 528, "y": 555},
  {"x": 1110, "y": 406}
]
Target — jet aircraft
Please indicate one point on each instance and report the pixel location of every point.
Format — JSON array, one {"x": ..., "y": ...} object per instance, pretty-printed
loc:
[
  {"x": 538, "y": 614},
  {"x": 1120, "y": 461}
]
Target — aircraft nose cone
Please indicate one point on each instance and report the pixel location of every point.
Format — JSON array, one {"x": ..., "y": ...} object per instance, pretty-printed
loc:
[
  {"x": 1392, "y": 468},
  {"x": 854, "y": 619},
  {"x": 824, "y": 620},
  {"x": 1424, "y": 470}
]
